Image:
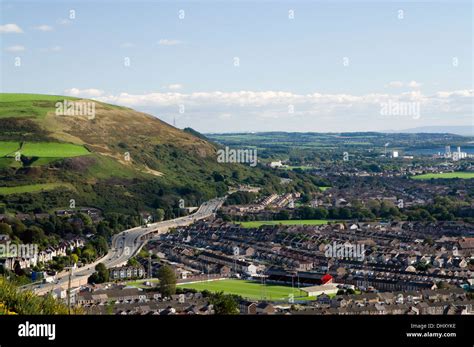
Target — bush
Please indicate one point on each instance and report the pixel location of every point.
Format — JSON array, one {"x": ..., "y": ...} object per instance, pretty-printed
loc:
[{"x": 14, "y": 301}]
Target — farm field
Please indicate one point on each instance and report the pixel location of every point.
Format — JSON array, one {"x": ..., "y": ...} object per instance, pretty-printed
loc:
[
  {"x": 52, "y": 150},
  {"x": 15, "y": 97},
  {"x": 460, "y": 174},
  {"x": 8, "y": 162},
  {"x": 7, "y": 147},
  {"x": 298, "y": 167},
  {"x": 249, "y": 289},
  {"x": 106, "y": 167},
  {"x": 34, "y": 105},
  {"x": 27, "y": 105},
  {"x": 33, "y": 188},
  {"x": 42, "y": 149},
  {"x": 256, "y": 224}
]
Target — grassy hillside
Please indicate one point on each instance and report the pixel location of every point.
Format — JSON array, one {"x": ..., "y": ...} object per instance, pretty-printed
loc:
[
  {"x": 27, "y": 105},
  {"x": 118, "y": 160}
]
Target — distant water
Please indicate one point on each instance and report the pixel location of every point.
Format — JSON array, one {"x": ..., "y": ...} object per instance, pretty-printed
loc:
[{"x": 436, "y": 150}]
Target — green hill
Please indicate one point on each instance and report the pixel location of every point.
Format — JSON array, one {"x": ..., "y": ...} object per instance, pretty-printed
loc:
[{"x": 118, "y": 160}]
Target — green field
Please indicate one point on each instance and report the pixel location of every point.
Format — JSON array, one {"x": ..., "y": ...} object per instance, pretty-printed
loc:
[
  {"x": 140, "y": 283},
  {"x": 15, "y": 97},
  {"x": 10, "y": 162},
  {"x": 301, "y": 167},
  {"x": 45, "y": 152},
  {"x": 42, "y": 149},
  {"x": 28, "y": 105},
  {"x": 52, "y": 150},
  {"x": 7, "y": 147},
  {"x": 460, "y": 174},
  {"x": 106, "y": 167},
  {"x": 32, "y": 188},
  {"x": 249, "y": 289},
  {"x": 256, "y": 224}
]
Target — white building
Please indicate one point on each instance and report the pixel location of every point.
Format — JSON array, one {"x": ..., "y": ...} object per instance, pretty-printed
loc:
[
  {"x": 251, "y": 270},
  {"x": 328, "y": 289},
  {"x": 275, "y": 164},
  {"x": 127, "y": 272}
]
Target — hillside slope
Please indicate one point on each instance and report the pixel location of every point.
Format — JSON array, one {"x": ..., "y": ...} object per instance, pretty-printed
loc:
[{"x": 118, "y": 159}]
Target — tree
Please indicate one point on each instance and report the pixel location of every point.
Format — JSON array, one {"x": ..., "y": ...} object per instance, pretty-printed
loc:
[
  {"x": 88, "y": 253},
  {"x": 240, "y": 198},
  {"x": 18, "y": 227},
  {"x": 33, "y": 234},
  {"x": 160, "y": 214},
  {"x": 217, "y": 177},
  {"x": 133, "y": 262},
  {"x": 282, "y": 215},
  {"x": 16, "y": 301},
  {"x": 167, "y": 279},
  {"x": 320, "y": 213},
  {"x": 5, "y": 229},
  {"x": 305, "y": 212},
  {"x": 345, "y": 213},
  {"x": 101, "y": 245},
  {"x": 305, "y": 198},
  {"x": 74, "y": 258},
  {"x": 101, "y": 275},
  {"x": 224, "y": 304},
  {"x": 442, "y": 285},
  {"x": 86, "y": 219}
]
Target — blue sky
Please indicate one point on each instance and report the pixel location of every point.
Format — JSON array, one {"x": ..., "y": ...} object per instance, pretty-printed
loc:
[{"x": 284, "y": 64}]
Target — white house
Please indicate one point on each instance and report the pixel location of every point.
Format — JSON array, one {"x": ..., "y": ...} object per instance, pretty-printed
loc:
[{"x": 275, "y": 164}]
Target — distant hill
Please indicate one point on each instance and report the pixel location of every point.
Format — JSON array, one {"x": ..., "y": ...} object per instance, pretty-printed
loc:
[
  {"x": 457, "y": 130},
  {"x": 196, "y": 133},
  {"x": 118, "y": 160}
]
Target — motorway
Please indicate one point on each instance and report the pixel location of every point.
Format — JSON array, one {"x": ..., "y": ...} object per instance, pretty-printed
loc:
[{"x": 126, "y": 245}]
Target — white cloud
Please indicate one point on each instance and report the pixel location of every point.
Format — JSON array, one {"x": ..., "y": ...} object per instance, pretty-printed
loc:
[
  {"x": 10, "y": 28},
  {"x": 400, "y": 84},
  {"x": 414, "y": 84},
  {"x": 268, "y": 110},
  {"x": 395, "y": 84},
  {"x": 16, "y": 48},
  {"x": 455, "y": 93},
  {"x": 86, "y": 93},
  {"x": 175, "y": 86},
  {"x": 168, "y": 42},
  {"x": 44, "y": 27},
  {"x": 64, "y": 21},
  {"x": 277, "y": 102}
]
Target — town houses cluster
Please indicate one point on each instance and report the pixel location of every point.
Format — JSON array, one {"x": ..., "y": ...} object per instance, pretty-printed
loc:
[{"x": 35, "y": 258}]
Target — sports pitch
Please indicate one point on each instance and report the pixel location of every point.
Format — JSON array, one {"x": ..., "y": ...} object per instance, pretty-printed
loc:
[
  {"x": 256, "y": 224},
  {"x": 249, "y": 289},
  {"x": 460, "y": 174}
]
